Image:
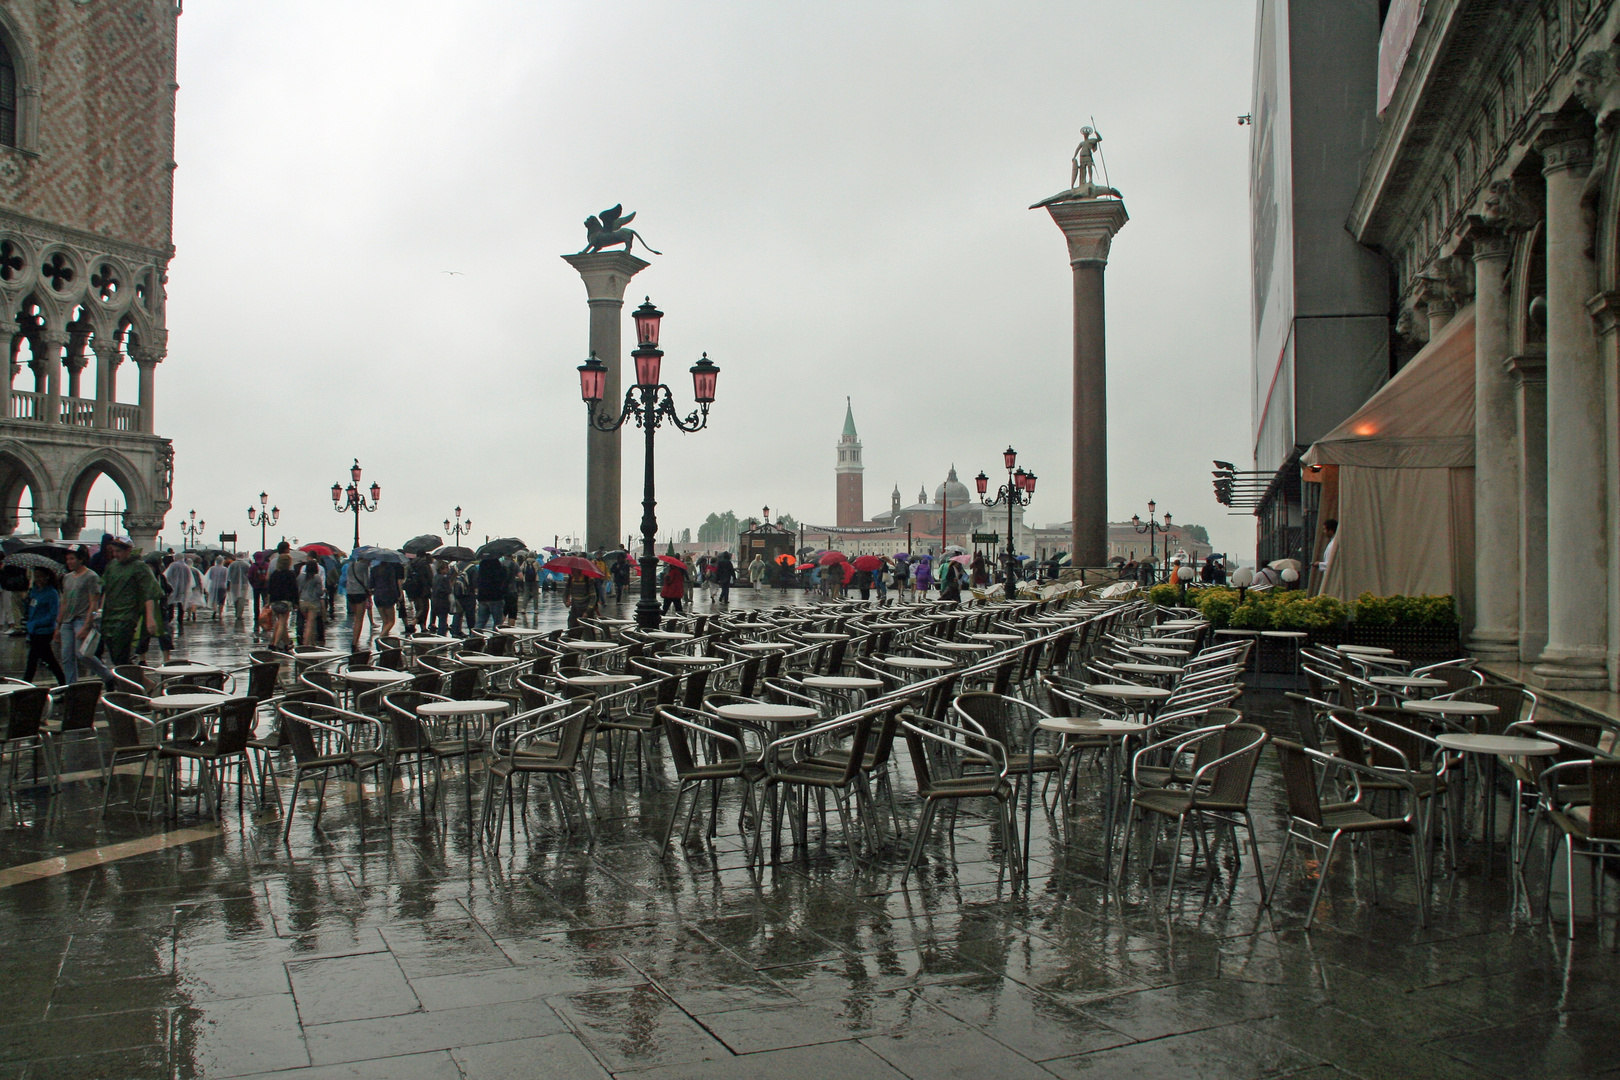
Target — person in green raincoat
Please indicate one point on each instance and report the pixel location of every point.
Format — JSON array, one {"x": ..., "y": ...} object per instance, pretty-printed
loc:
[{"x": 131, "y": 603}]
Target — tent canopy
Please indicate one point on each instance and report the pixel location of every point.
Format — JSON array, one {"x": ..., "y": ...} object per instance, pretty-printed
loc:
[{"x": 1423, "y": 418}]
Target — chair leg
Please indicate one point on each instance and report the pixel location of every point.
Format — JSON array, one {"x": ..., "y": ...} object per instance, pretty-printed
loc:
[
  {"x": 1321, "y": 877},
  {"x": 292, "y": 803},
  {"x": 923, "y": 823},
  {"x": 1259, "y": 867},
  {"x": 1175, "y": 860},
  {"x": 674, "y": 812}
]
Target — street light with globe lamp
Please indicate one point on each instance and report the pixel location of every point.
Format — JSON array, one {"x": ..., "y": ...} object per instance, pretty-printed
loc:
[
  {"x": 264, "y": 517},
  {"x": 1153, "y": 528},
  {"x": 655, "y": 405},
  {"x": 459, "y": 528},
  {"x": 1017, "y": 491},
  {"x": 193, "y": 530},
  {"x": 350, "y": 499}
]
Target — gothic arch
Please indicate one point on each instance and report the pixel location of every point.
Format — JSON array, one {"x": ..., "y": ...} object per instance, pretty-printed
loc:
[
  {"x": 26, "y": 64},
  {"x": 79, "y": 479},
  {"x": 21, "y": 468}
]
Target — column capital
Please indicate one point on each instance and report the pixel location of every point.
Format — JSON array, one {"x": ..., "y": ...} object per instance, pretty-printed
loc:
[
  {"x": 1605, "y": 309},
  {"x": 106, "y": 347},
  {"x": 606, "y": 273},
  {"x": 1564, "y": 148},
  {"x": 1488, "y": 241},
  {"x": 1527, "y": 368},
  {"x": 1089, "y": 226},
  {"x": 142, "y": 522},
  {"x": 146, "y": 357},
  {"x": 54, "y": 339}
]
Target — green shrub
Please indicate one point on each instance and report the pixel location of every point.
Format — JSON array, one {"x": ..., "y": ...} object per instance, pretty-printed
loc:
[
  {"x": 1253, "y": 614},
  {"x": 1164, "y": 595},
  {"x": 1216, "y": 605},
  {"x": 1373, "y": 610}
]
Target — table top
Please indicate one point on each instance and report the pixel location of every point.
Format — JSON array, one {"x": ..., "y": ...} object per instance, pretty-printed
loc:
[
  {"x": 587, "y": 646},
  {"x": 376, "y": 675},
  {"x": 1127, "y": 692},
  {"x": 996, "y": 637},
  {"x": 668, "y": 635},
  {"x": 1149, "y": 669},
  {"x": 760, "y": 646},
  {"x": 431, "y": 639},
  {"x": 1422, "y": 682},
  {"x": 1237, "y": 633},
  {"x": 918, "y": 663},
  {"x": 461, "y": 708},
  {"x": 1166, "y": 641},
  {"x": 825, "y": 637},
  {"x": 687, "y": 661},
  {"x": 1156, "y": 650},
  {"x": 1450, "y": 708},
  {"x": 960, "y": 646},
  {"x": 1080, "y": 725},
  {"x": 769, "y": 714},
  {"x": 520, "y": 631},
  {"x": 1365, "y": 650},
  {"x": 842, "y": 682},
  {"x": 1181, "y": 624},
  {"x": 319, "y": 654},
  {"x": 187, "y": 701},
  {"x": 188, "y": 667},
  {"x": 485, "y": 660},
  {"x": 1284, "y": 633},
  {"x": 617, "y": 622},
  {"x": 601, "y": 680},
  {"x": 1507, "y": 745}
]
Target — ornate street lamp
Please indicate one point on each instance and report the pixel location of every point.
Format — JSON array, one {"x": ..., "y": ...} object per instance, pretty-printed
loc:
[
  {"x": 1153, "y": 528},
  {"x": 352, "y": 500},
  {"x": 193, "y": 530},
  {"x": 459, "y": 528},
  {"x": 1017, "y": 491},
  {"x": 264, "y": 517},
  {"x": 655, "y": 405}
]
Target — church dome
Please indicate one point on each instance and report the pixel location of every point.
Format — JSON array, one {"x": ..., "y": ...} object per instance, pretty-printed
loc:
[{"x": 952, "y": 492}]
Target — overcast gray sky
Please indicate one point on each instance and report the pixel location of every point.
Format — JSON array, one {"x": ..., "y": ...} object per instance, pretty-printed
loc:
[{"x": 840, "y": 191}]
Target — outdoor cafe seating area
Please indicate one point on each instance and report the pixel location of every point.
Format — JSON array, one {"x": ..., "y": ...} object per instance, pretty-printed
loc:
[{"x": 870, "y": 734}]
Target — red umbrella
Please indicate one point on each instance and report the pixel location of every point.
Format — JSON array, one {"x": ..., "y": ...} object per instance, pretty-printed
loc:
[
  {"x": 965, "y": 560},
  {"x": 830, "y": 557},
  {"x": 868, "y": 562},
  {"x": 849, "y": 572},
  {"x": 784, "y": 559},
  {"x": 672, "y": 560},
  {"x": 320, "y": 549},
  {"x": 564, "y": 564}
]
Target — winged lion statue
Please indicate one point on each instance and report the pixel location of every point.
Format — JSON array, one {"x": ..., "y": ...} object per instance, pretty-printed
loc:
[{"x": 610, "y": 228}]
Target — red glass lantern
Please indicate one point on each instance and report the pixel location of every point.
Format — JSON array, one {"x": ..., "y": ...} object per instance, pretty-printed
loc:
[
  {"x": 1167, "y": 519},
  {"x": 1029, "y": 483},
  {"x": 253, "y": 516},
  {"x": 1010, "y": 456},
  {"x": 351, "y": 492},
  {"x": 704, "y": 375},
  {"x": 264, "y": 499},
  {"x": 1019, "y": 480},
  {"x": 376, "y": 491},
  {"x": 649, "y": 362},
  {"x": 446, "y": 524},
  {"x": 647, "y": 319},
  {"x": 1136, "y": 519},
  {"x": 982, "y": 482},
  {"x": 354, "y": 471},
  {"x": 337, "y": 493},
  {"x": 275, "y": 514},
  {"x": 592, "y": 380}
]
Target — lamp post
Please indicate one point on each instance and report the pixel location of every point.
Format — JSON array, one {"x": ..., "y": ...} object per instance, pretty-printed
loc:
[
  {"x": 192, "y": 530},
  {"x": 461, "y": 527},
  {"x": 352, "y": 500},
  {"x": 1153, "y": 529},
  {"x": 1017, "y": 491},
  {"x": 264, "y": 517},
  {"x": 655, "y": 405}
]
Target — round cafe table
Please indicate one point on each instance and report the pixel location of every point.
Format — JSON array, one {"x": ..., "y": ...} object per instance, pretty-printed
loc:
[
  {"x": 1461, "y": 710},
  {"x": 995, "y": 637},
  {"x": 760, "y": 646},
  {"x": 586, "y": 646},
  {"x": 762, "y": 713},
  {"x": 431, "y": 640},
  {"x": 959, "y": 646},
  {"x": 1132, "y": 697},
  {"x": 1156, "y": 650},
  {"x": 1364, "y": 650},
  {"x": 593, "y": 682},
  {"x": 1407, "y": 682},
  {"x": 1171, "y": 641},
  {"x": 617, "y": 622},
  {"x": 1116, "y": 732},
  {"x": 520, "y": 631},
  {"x": 465, "y": 711},
  {"x": 825, "y": 637},
  {"x": 187, "y": 667},
  {"x": 1493, "y": 748},
  {"x": 1148, "y": 669},
  {"x": 375, "y": 677},
  {"x": 182, "y": 702},
  {"x": 686, "y": 661},
  {"x": 841, "y": 682},
  {"x": 668, "y": 635},
  {"x": 918, "y": 663}
]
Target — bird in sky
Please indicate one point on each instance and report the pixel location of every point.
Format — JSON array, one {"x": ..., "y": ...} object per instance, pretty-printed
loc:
[{"x": 453, "y": 273}]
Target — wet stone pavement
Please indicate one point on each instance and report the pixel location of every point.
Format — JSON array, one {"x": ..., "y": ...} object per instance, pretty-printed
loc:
[{"x": 407, "y": 949}]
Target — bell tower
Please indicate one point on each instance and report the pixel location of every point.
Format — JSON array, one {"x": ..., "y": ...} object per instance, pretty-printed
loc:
[{"x": 851, "y": 503}]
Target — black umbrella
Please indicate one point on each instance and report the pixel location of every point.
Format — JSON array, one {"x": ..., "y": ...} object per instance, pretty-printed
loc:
[
  {"x": 54, "y": 552},
  {"x": 451, "y": 553},
  {"x": 501, "y": 547},
  {"x": 416, "y": 545}
]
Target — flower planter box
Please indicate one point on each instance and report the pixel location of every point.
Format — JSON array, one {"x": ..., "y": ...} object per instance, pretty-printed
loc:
[{"x": 1420, "y": 644}]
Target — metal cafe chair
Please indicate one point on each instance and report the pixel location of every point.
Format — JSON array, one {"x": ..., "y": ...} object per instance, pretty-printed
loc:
[
  {"x": 340, "y": 730},
  {"x": 1590, "y": 828},
  {"x": 561, "y": 769},
  {"x": 706, "y": 749},
  {"x": 934, "y": 742},
  {"x": 226, "y": 746}
]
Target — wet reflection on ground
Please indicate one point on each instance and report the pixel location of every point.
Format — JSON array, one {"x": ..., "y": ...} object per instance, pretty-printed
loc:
[{"x": 405, "y": 949}]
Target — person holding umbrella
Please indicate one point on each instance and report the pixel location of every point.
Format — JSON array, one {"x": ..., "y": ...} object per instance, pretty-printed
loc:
[
  {"x": 491, "y": 592},
  {"x": 359, "y": 597},
  {"x": 673, "y": 587},
  {"x": 725, "y": 575},
  {"x": 419, "y": 589}
]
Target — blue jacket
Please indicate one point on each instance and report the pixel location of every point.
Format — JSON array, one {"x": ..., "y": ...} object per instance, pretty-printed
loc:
[{"x": 43, "y": 604}]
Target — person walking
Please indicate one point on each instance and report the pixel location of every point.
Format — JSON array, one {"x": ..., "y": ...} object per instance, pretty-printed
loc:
[
  {"x": 673, "y": 589},
  {"x": 282, "y": 592},
  {"x": 621, "y": 575},
  {"x": 44, "y": 604},
  {"x": 863, "y": 582},
  {"x": 581, "y": 597},
  {"x": 130, "y": 595},
  {"x": 880, "y": 580},
  {"x": 443, "y": 590},
  {"x": 418, "y": 591},
  {"x": 902, "y": 578},
  {"x": 238, "y": 589},
  {"x": 216, "y": 579},
  {"x": 466, "y": 599},
  {"x": 81, "y": 598},
  {"x": 514, "y": 582},
  {"x": 384, "y": 581},
  {"x": 950, "y": 586},
  {"x": 925, "y": 577},
  {"x": 355, "y": 588},
  {"x": 725, "y": 575},
  {"x": 311, "y": 600},
  {"x": 981, "y": 571},
  {"x": 756, "y": 573},
  {"x": 491, "y": 593}
]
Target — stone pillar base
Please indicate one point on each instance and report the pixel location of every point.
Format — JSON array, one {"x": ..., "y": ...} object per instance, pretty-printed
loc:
[
  {"x": 1575, "y": 671},
  {"x": 1493, "y": 645}
]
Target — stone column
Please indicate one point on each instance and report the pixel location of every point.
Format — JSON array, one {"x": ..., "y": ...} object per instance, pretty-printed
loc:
[
  {"x": 48, "y": 347},
  {"x": 1496, "y": 462},
  {"x": 49, "y": 523},
  {"x": 606, "y": 274},
  {"x": 1577, "y": 556},
  {"x": 1089, "y": 226},
  {"x": 147, "y": 361},
  {"x": 143, "y": 529},
  {"x": 1529, "y": 374},
  {"x": 1605, "y": 309},
  {"x": 107, "y": 359}
]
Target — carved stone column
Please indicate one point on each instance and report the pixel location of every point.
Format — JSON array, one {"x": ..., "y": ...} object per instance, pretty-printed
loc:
[
  {"x": 1496, "y": 456},
  {"x": 49, "y": 523},
  {"x": 147, "y": 361},
  {"x": 1438, "y": 297},
  {"x": 107, "y": 360},
  {"x": 606, "y": 275},
  {"x": 1577, "y": 556},
  {"x": 1089, "y": 226},
  {"x": 48, "y": 347},
  {"x": 143, "y": 529},
  {"x": 1605, "y": 309},
  {"x": 1529, "y": 374}
]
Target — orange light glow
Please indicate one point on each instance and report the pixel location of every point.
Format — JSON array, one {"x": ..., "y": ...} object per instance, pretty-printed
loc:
[{"x": 1365, "y": 429}]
